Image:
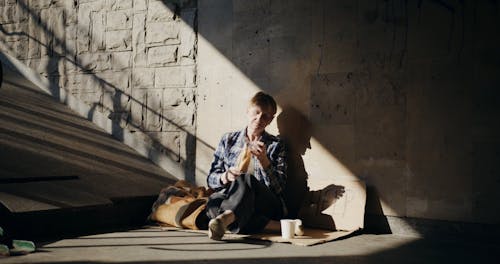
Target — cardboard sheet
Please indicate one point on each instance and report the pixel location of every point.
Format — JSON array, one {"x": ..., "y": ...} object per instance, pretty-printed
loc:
[
  {"x": 336, "y": 206},
  {"x": 311, "y": 236},
  {"x": 336, "y": 211}
]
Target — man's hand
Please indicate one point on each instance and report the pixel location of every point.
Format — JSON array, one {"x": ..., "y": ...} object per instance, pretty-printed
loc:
[
  {"x": 230, "y": 175},
  {"x": 258, "y": 149}
]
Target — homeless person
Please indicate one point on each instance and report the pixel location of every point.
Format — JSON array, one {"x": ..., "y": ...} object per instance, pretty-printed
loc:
[{"x": 248, "y": 175}]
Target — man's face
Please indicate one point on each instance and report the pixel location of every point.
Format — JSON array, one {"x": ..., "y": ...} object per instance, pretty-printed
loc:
[{"x": 259, "y": 117}]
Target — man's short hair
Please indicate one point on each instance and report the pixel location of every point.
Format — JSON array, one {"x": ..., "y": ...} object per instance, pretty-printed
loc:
[{"x": 264, "y": 100}]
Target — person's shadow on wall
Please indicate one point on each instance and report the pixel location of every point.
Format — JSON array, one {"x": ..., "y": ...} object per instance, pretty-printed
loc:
[{"x": 296, "y": 130}]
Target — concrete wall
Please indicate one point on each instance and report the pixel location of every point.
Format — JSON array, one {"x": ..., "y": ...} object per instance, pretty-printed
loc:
[
  {"x": 401, "y": 94},
  {"x": 132, "y": 61}
]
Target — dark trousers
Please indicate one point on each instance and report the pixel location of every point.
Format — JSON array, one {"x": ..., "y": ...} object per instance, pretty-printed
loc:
[{"x": 253, "y": 203}]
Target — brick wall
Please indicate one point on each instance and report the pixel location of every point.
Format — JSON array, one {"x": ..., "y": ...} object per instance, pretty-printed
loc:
[{"x": 131, "y": 60}]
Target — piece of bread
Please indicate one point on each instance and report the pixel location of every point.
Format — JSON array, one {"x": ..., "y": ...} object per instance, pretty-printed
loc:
[{"x": 244, "y": 160}]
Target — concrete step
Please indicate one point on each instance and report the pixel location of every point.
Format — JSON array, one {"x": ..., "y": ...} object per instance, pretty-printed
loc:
[
  {"x": 67, "y": 144},
  {"x": 120, "y": 214},
  {"x": 60, "y": 174}
]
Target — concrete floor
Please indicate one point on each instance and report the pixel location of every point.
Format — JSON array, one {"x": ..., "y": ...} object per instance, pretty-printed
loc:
[{"x": 152, "y": 245}]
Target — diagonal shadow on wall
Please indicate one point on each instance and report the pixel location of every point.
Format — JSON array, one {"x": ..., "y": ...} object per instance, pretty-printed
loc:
[{"x": 120, "y": 119}]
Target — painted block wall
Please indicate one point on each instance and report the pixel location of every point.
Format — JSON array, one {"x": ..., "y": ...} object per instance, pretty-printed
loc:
[{"x": 131, "y": 61}]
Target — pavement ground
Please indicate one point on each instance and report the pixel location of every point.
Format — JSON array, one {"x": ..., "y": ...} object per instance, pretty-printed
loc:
[{"x": 153, "y": 245}]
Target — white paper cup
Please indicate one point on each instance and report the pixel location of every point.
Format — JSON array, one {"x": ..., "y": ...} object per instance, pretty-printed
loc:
[{"x": 287, "y": 228}]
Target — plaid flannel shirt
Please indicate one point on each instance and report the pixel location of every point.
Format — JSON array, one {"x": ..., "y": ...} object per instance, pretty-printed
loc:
[{"x": 226, "y": 156}]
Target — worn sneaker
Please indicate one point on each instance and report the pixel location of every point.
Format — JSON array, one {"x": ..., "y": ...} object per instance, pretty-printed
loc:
[{"x": 216, "y": 229}]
